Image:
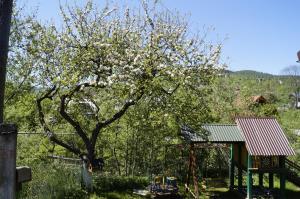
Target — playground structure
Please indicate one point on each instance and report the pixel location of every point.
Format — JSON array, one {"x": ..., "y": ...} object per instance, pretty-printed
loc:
[
  {"x": 257, "y": 146},
  {"x": 164, "y": 187},
  {"x": 161, "y": 187}
]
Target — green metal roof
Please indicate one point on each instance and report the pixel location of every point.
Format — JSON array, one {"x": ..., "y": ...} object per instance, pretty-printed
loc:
[{"x": 218, "y": 133}]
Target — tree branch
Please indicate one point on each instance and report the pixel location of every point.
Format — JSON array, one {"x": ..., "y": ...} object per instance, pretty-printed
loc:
[
  {"x": 115, "y": 117},
  {"x": 122, "y": 111},
  {"x": 48, "y": 132},
  {"x": 71, "y": 121},
  {"x": 17, "y": 90}
]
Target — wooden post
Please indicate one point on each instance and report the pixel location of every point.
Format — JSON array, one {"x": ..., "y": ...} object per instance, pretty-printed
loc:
[
  {"x": 8, "y": 133},
  {"x": 271, "y": 181},
  {"x": 282, "y": 176},
  {"x": 231, "y": 167},
  {"x": 5, "y": 18},
  {"x": 8, "y": 145},
  {"x": 261, "y": 179},
  {"x": 189, "y": 170},
  {"x": 240, "y": 173},
  {"x": 249, "y": 178},
  {"x": 195, "y": 180}
]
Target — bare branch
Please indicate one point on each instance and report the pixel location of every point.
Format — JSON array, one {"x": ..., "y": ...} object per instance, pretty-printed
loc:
[
  {"x": 121, "y": 111},
  {"x": 71, "y": 121},
  {"x": 18, "y": 89},
  {"x": 115, "y": 117},
  {"x": 48, "y": 132}
]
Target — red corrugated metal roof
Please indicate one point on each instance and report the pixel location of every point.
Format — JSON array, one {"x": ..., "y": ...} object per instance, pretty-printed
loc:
[{"x": 264, "y": 136}]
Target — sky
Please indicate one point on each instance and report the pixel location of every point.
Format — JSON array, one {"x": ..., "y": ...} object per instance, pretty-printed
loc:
[{"x": 261, "y": 35}]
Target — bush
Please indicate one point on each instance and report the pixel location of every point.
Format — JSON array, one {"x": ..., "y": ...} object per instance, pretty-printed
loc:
[
  {"x": 53, "y": 180},
  {"x": 103, "y": 183}
]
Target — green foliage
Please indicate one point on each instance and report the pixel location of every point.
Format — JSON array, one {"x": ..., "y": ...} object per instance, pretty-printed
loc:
[
  {"x": 52, "y": 180},
  {"x": 105, "y": 183}
]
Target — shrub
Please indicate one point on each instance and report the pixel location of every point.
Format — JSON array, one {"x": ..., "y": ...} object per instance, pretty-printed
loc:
[{"x": 103, "y": 183}]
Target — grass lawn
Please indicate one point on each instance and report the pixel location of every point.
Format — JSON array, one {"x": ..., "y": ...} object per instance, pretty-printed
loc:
[
  {"x": 211, "y": 188},
  {"x": 218, "y": 188}
]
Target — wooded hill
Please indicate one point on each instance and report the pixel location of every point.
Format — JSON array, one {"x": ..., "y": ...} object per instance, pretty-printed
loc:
[{"x": 234, "y": 94}]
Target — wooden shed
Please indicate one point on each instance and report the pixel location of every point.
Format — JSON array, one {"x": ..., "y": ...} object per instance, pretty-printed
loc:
[{"x": 258, "y": 145}]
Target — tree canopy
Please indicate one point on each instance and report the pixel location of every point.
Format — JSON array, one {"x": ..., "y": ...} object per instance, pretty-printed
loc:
[{"x": 100, "y": 62}]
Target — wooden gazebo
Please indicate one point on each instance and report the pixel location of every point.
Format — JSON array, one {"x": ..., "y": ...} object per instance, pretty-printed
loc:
[{"x": 257, "y": 145}]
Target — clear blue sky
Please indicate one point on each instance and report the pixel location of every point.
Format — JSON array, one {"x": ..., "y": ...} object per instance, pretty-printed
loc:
[{"x": 262, "y": 35}]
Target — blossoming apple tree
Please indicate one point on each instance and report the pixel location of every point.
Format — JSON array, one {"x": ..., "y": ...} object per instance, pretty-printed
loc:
[{"x": 101, "y": 62}]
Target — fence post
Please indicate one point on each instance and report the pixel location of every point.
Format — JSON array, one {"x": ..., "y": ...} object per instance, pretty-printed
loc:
[{"x": 8, "y": 145}]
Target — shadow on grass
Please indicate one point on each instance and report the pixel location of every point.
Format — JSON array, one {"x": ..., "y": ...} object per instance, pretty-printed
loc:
[
  {"x": 290, "y": 194},
  {"x": 223, "y": 195}
]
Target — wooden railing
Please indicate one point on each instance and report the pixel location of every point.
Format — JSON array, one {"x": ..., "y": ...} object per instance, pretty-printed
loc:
[
  {"x": 291, "y": 164},
  {"x": 293, "y": 172}
]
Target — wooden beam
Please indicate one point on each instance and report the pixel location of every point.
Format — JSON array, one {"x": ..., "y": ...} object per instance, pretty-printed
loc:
[
  {"x": 267, "y": 170},
  {"x": 240, "y": 168},
  {"x": 5, "y": 22},
  {"x": 261, "y": 179},
  {"x": 271, "y": 180},
  {"x": 282, "y": 176},
  {"x": 189, "y": 169},
  {"x": 189, "y": 190},
  {"x": 210, "y": 145},
  {"x": 195, "y": 180}
]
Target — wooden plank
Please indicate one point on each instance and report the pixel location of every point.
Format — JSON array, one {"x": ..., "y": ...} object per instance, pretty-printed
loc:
[
  {"x": 211, "y": 145},
  {"x": 24, "y": 174},
  {"x": 189, "y": 190}
]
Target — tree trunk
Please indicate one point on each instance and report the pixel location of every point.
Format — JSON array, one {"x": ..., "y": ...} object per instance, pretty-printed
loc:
[
  {"x": 117, "y": 161},
  {"x": 87, "y": 177}
]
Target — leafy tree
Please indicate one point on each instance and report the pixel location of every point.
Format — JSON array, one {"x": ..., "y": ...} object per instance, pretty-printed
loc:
[
  {"x": 102, "y": 62},
  {"x": 19, "y": 70}
]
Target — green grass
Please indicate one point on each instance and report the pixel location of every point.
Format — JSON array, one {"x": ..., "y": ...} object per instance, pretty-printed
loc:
[
  {"x": 116, "y": 195},
  {"x": 220, "y": 188},
  {"x": 53, "y": 180}
]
